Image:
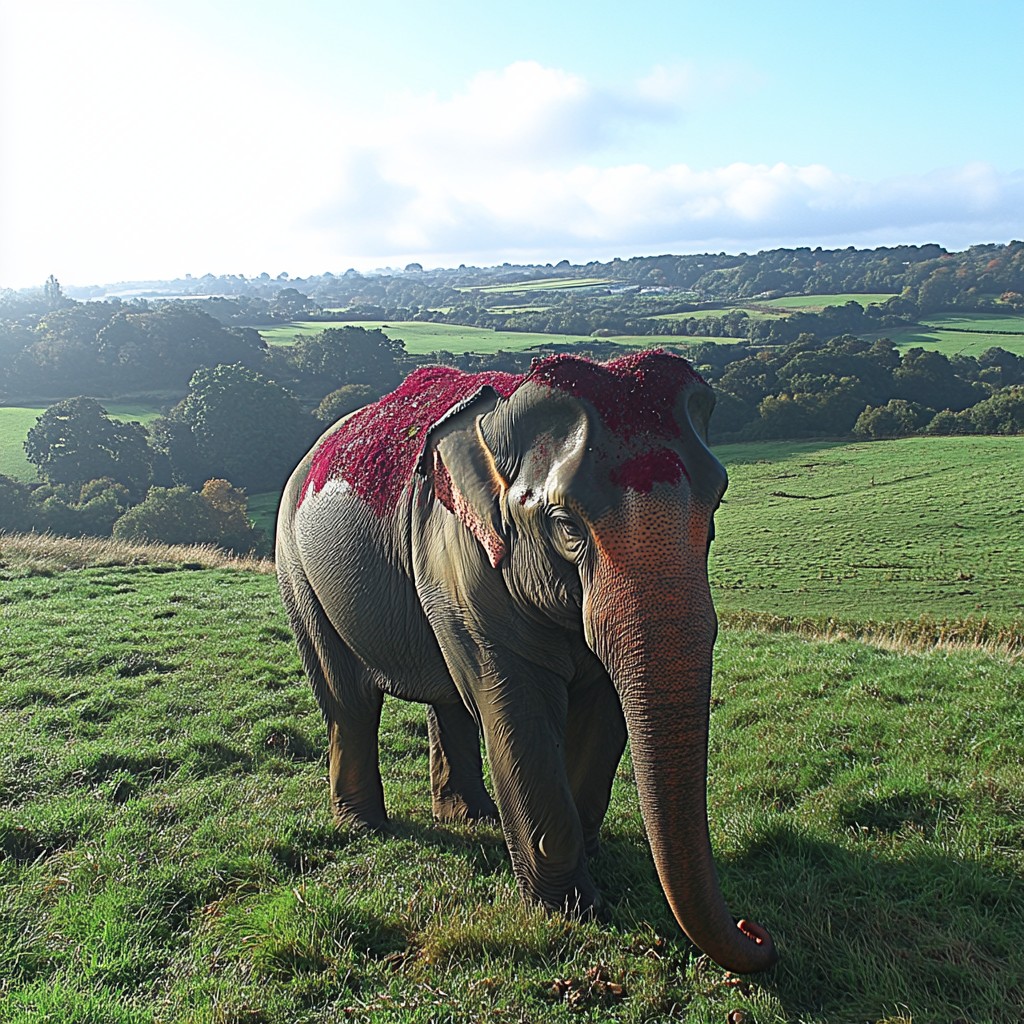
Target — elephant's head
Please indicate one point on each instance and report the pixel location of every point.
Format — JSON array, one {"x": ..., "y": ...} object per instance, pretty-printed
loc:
[{"x": 591, "y": 487}]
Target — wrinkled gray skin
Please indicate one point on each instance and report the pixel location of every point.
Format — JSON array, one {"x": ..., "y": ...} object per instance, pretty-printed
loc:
[{"x": 598, "y": 619}]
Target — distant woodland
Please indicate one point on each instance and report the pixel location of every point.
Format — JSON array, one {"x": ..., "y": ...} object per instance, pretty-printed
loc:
[{"x": 232, "y": 414}]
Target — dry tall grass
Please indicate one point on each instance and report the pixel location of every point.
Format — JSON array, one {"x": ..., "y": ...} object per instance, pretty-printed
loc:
[
  {"x": 43, "y": 552},
  {"x": 906, "y": 636}
]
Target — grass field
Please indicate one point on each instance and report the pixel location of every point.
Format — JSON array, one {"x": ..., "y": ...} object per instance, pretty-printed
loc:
[
  {"x": 951, "y": 343},
  {"x": 753, "y": 311},
  {"x": 978, "y": 322},
  {"x": 15, "y": 423},
  {"x": 967, "y": 334},
  {"x": 887, "y": 530},
  {"x": 424, "y": 338},
  {"x": 816, "y": 303},
  {"x": 166, "y": 853},
  {"x": 263, "y": 511}
]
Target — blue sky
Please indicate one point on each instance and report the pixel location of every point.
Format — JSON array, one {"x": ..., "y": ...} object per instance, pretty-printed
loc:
[{"x": 150, "y": 138}]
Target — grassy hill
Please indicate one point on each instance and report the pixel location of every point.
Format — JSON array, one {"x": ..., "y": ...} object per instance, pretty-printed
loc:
[
  {"x": 166, "y": 852},
  {"x": 885, "y": 530}
]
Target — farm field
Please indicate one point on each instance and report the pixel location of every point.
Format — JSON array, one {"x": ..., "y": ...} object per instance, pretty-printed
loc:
[
  {"x": 885, "y": 531},
  {"x": 263, "y": 511},
  {"x": 977, "y": 322},
  {"x": 951, "y": 343},
  {"x": 965, "y": 334},
  {"x": 755, "y": 312},
  {"x": 424, "y": 338},
  {"x": 166, "y": 852},
  {"x": 816, "y": 303},
  {"x": 970, "y": 334}
]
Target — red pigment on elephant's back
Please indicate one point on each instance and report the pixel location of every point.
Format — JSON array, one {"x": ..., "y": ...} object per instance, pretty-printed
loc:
[{"x": 377, "y": 448}]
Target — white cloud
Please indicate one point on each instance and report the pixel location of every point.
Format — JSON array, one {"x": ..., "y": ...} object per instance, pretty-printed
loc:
[
  {"x": 520, "y": 162},
  {"x": 431, "y": 213},
  {"x": 142, "y": 151}
]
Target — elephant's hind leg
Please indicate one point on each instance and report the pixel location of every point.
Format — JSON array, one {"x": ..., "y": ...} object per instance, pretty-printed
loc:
[
  {"x": 456, "y": 768},
  {"x": 351, "y": 706}
]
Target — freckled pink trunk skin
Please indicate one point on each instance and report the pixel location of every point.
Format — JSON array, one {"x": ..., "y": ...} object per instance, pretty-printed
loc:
[{"x": 651, "y": 621}]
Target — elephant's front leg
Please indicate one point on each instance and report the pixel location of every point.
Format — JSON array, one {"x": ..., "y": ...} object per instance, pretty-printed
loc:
[
  {"x": 456, "y": 768},
  {"x": 523, "y": 717},
  {"x": 595, "y": 738}
]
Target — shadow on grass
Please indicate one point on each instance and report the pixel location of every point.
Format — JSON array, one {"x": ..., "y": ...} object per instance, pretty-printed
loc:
[
  {"x": 861, "y": 935},
  {"x": 480, "y": 842}
]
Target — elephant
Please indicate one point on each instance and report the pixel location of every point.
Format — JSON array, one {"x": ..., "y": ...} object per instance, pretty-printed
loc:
[{"x": 526, "y": 554}]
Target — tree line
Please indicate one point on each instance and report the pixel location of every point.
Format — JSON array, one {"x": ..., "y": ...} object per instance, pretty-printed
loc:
[{"x": 238, "y": 414}]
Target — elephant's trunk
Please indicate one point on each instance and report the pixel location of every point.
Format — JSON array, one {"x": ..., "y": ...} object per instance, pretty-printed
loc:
[{"x": 655, "y": 631}]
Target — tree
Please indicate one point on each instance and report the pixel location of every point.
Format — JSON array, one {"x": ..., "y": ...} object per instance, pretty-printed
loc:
[
  {"x": 928, "y": 377},
  {"x": 53, "y": 294},
  {"x": 239, "y": 425},
  {"x": 347, "y": 355},
  {"x": 897, "y": 418},
  {"x": 231, "y": 516},
  {"x": 179, "y": 515},
  {"x": 176, "y": 515},
  {"x": 1003, "y": 413},
  {"x": 169, "y": 343},
  {"x": 16, "y": 510},
  {"x": 75, "y": 441},
  {"x": 343, "y": 401}
]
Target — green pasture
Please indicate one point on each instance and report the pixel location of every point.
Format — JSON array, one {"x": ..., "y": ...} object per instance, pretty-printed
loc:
[
  {"x": 951, "y": 343},
  {"x": 816, "y": 303},
  {"x": 286, "y": 334},
  {"x": 167, "y": 855},
  {"x": 17, "y": 421},
  {"x": 977, "y": 323},
  {"x": 967, "y": 334},
  {"x": 755, "y": 312},
  {"x": 425, "y": 338},
  {"x": 884, "y": 530},
  {"x": 263, "y": 511}
]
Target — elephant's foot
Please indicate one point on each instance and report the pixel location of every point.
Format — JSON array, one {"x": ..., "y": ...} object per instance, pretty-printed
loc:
[
  {"x": 457, "y": 807},
  {"x": 358, "y": 819},
  {"x": 581, "y": 901},
  {"x": 575, "y": 897}
]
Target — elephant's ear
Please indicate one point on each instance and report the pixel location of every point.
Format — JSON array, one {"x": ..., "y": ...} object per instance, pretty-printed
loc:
[{"x": 469, "y": 484}]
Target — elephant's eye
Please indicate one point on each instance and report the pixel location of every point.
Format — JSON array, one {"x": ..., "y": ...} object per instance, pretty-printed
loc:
[{"x": 569, "y": 537}]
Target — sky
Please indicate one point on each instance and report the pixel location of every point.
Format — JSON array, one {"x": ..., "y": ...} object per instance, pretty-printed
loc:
[{"x": 150, "y": 139}]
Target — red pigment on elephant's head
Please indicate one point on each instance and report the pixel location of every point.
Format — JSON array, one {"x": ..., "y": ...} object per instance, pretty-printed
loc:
[
  {"x": 376, "y": 448},
  {"x": 643, "y": 471},
  {"x": 634, "y": 395}
]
